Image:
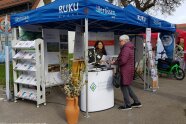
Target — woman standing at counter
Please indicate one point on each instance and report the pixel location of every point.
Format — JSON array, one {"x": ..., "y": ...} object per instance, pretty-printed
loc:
[
  {"x": 125, "y": 62},
  {"x": 99, "y": 50}
]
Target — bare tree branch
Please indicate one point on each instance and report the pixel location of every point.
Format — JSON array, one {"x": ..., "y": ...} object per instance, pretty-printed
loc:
[{"x": 165, "y": 6}]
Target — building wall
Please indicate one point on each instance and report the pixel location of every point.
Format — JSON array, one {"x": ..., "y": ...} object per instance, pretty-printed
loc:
[{"x": 181, "y": 26}]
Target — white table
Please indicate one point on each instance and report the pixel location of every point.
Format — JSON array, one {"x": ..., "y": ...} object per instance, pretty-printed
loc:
[{"x": 100, "y": 91}]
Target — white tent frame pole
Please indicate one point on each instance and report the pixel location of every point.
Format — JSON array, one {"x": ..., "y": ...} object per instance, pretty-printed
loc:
[
  {"x": 86, "y": 64},
  {"x": 145, "y": 67},
  {"x": 7, "y": 61}
]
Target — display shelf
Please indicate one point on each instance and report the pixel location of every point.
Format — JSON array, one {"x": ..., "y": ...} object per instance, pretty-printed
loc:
[
  {"x": 30, "y": 94},
  {"x": 24, "y": 45},
  {"x": 28, "y": 70},
  {"x": 26, "y": 80},
  {"x": 23, "y": 55},
  {"x": 25, "y": 67}
]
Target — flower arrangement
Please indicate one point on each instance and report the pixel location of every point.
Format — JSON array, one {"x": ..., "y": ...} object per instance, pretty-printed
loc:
[{"x": 73, "y": 82}]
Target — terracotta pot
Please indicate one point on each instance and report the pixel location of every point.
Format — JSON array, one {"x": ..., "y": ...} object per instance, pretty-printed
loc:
[{"x": 72, "y": 110}]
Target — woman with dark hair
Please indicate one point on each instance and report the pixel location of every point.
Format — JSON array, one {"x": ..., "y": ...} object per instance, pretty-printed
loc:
[{"x": 99, "y": 50}]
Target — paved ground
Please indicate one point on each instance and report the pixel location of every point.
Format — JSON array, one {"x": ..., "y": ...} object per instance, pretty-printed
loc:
[{"x": 167, "y": 106}]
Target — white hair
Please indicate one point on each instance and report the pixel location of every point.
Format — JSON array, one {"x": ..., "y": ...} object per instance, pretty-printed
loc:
[{"x": 124, "y": 37}]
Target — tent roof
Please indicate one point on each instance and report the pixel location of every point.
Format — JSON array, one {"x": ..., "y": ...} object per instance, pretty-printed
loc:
[
  {"x": 161, "y": 25},
  {"x": 102, "y": 16},
  {"x": 135, "y": 15},
  {"x": 156, "y": 24}
]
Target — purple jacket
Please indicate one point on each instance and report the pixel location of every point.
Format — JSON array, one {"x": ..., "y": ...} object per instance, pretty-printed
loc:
[{"x": 126, "y": 63}]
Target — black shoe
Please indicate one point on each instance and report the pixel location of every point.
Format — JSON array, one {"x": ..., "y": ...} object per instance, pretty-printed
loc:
[
  {"x": 136, "y": 105},
  {"x": 124, "y": 107}
]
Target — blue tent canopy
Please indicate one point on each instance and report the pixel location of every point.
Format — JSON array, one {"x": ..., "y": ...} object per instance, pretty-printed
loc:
[
  {"x": 161, "y": 25},
  {"x": 136, "y": 16},
  {"x": 102, "y": 16},
  {"x": 59, "y": 10},
  {"x": 156, "y": 24}
]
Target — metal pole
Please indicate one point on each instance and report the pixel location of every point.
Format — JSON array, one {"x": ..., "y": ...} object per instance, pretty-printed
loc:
[
  {"x": 7, "y": 64},
  {"x": 148, "y": 77},
  {"x": 86, "y": 64},
  {"x": 145, "y": 66}
]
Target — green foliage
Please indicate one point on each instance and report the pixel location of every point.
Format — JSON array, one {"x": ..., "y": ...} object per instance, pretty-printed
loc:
[
  {"x": 28, "y": 35},
  {"x": 3, "y": 74}
]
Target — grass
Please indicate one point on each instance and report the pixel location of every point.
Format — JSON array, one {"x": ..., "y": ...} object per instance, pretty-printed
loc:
[{"x": 3, "y": 74}]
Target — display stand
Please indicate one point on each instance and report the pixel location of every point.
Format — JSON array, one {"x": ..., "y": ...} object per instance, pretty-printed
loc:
[
  {"x": 152, "y": 69},
  {"x": 100, "y": 91},
  {"x": 28, "y": 70}
]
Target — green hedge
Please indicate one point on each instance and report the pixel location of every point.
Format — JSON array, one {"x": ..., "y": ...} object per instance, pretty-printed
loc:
[{"x": 2, "y": 74}]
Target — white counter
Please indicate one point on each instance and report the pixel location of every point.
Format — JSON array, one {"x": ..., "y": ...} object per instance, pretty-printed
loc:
[{"x": 100, "y": 91}]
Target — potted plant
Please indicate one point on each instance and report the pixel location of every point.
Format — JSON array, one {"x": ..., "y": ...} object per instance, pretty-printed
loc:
[{"x": 72, "y": 87}]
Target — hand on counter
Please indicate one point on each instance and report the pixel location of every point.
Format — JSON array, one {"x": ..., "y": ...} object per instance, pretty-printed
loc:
[{"x": 112, "y": 62}]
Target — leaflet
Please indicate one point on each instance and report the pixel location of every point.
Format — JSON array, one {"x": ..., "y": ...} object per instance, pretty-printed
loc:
[
  {"x": 25, "y": 44},
  {"x": 21, "y": 78},
  {"x": 34, "y": 80},
  {"x": 29, "y": 56},
  {"x": 25, "y": 66},
  {"x": 19, "y": 55},
  {"x": 32, "y": 44},
  {"x": 32, "y": 67},
  {"x": 28, "y": 44},
  {"x": 28, "y": 79},
  {"x": 18, "y": 66},
  {"x": 20, "y": 44}
]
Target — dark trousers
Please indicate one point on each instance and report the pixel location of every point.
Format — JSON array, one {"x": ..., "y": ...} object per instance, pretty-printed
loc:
[{"x": 127, "y": 94}]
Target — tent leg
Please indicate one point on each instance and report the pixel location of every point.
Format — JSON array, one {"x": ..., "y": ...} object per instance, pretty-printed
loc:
[
  {"x": 86, "y": 64},
  {"x": 7, "y": 63},
  {"x": 8, "y": 94},
  {"x": 145, "y": 68}
]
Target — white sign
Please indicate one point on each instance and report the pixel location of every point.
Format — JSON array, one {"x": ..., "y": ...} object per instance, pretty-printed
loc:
[
  {"x": 148, "y": 34},
  {"x": 69, "y": 8},
  {"x": 141, "y": 18}
]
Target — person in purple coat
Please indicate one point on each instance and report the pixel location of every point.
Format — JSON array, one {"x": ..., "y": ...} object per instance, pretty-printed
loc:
[{"x": 125, "y": 61}]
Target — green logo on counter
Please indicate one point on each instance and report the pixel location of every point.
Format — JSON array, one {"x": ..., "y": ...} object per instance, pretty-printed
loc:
[{"x": 93, "y": 87}]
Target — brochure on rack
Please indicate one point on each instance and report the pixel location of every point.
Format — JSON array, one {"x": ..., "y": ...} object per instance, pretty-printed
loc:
[
  {"x": 27, "y": 66},
  {"x": 26, "y": 79},
  {"x": 21, "y": 78},
  {"x": 29, "y": 56},
  {"x": 25, "y": 55},
  {"x": 25, "y": 44},
  {"x": 34, "y": 80},
  {"x": 19, "y": 55},
  {"x": 26, "y": 93},
  {"x": 20, "y": 44}
]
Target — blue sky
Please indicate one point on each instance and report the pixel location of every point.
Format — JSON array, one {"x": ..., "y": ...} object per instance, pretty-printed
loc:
[{"x": 178, "y": 17}]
